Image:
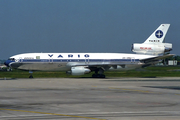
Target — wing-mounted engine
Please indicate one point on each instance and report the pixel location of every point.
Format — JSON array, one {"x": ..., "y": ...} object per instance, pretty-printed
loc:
[
  {"x": 79, "y": 70},
  {"x": 151, "y": 49}
]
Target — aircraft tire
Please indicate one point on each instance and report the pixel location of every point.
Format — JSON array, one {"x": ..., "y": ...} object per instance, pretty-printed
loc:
[
  {"x": 98, "y": 76},
  {"x": 30, "y": 76},
  {"x": 102, "y": 76},
  {"x": 94, "y": 76}
]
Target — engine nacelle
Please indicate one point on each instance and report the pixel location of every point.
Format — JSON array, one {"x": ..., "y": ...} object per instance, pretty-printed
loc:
[
  {"x": 168, "y": 47},
  {"x": 151, "y": 49},
  {"x": 80, "y": 70}
]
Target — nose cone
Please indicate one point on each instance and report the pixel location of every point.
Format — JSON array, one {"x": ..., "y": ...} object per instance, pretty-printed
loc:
[{"x": 7, "y": 63}]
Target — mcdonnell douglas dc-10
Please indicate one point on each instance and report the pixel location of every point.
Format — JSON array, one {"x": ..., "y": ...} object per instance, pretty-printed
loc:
[{"x": 82, "y": 63}]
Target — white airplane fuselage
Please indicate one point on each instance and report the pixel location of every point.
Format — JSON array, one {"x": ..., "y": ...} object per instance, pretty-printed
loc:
[{"x": 64, "y": 61}]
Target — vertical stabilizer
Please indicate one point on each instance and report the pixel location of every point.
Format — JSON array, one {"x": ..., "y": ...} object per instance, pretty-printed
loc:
[{"x": 158, "y": 35}]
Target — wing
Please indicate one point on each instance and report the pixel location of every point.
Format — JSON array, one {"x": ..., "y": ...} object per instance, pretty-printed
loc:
[{"x": 123, "y": 64}]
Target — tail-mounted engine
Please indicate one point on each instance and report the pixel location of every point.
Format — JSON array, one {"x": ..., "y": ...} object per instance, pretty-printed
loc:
[{"x": 151, "y": 49}]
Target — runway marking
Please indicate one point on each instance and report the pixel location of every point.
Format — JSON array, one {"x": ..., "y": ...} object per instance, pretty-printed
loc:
[
  {"x": 51, "y": 114},
  {"x": 142, "y": 91},
  {"x": 105, "y": 113}
]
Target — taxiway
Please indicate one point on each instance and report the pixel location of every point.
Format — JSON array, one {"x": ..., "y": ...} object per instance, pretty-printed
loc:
[{"x": 90, "y": 99}]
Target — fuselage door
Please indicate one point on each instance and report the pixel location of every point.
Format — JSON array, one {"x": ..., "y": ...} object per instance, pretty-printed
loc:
[
  {"x": 132, "y": 60},
  {"x": 20, "y": 59},
  {"x": 50, "y": 60},
  {"x": 86, "y": 59}
]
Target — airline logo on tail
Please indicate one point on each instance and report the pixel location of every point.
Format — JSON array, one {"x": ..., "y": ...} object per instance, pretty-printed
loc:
[{"x": 159, "y": 33}]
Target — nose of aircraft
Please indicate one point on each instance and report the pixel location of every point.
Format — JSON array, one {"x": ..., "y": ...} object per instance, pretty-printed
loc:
[{"x": 7, "y": 62}]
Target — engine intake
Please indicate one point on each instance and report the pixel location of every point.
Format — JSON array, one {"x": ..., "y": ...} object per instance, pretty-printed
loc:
[
  {"x": 80, "y": 70},
  {"x": 152, "y": 49}
]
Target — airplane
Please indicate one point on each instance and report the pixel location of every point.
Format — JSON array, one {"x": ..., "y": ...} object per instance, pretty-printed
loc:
[{"x": 83, "y": 63}]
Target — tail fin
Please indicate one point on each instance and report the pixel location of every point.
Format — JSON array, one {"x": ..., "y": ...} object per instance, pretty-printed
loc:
[{"x": 158, "y": 35}]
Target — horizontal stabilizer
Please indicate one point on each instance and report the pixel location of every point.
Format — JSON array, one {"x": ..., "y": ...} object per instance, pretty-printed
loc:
[{"x": 148, "y": 60}]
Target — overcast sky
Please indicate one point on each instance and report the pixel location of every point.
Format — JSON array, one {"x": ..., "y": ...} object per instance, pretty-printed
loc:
[{"x": 84, "y": 25}]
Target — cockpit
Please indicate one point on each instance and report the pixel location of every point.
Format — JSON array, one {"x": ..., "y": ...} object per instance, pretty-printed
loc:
[{"x": 12, "y": 59}]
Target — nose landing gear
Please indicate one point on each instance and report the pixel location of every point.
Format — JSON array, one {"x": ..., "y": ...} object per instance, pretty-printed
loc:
[{"x": 31, "y": 72}]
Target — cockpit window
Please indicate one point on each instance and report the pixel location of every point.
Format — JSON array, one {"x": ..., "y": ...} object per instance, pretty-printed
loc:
[{"x": 11, "y": 59}]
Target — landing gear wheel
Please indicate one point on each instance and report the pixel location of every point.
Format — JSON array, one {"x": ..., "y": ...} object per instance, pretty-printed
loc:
[
  {"x": 102, "y": 76},
  {"x": 31, "y": 72},
  {"x": 94, "y": 76},
  {"x": 30, "y": 76},
  {"x": 98, "y": 76}
]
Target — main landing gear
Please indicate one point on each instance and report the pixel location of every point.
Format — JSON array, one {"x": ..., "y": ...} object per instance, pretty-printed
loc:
[{"x": 98, "y": 75}]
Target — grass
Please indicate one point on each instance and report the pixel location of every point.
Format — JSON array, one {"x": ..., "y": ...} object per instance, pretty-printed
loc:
[{"x": 154, "y": 71}]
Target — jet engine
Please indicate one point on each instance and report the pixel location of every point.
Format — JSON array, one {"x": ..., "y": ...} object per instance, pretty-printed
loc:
[
  {"x": 151, "y": 49},
  {"x": 80, "y": 70}
]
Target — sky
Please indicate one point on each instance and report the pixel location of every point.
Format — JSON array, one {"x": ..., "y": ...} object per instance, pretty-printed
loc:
[{"x": 104, "y": 26}]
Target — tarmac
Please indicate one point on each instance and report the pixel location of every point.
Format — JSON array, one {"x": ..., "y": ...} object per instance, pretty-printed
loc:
[{"x": 90, "y": 99}]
